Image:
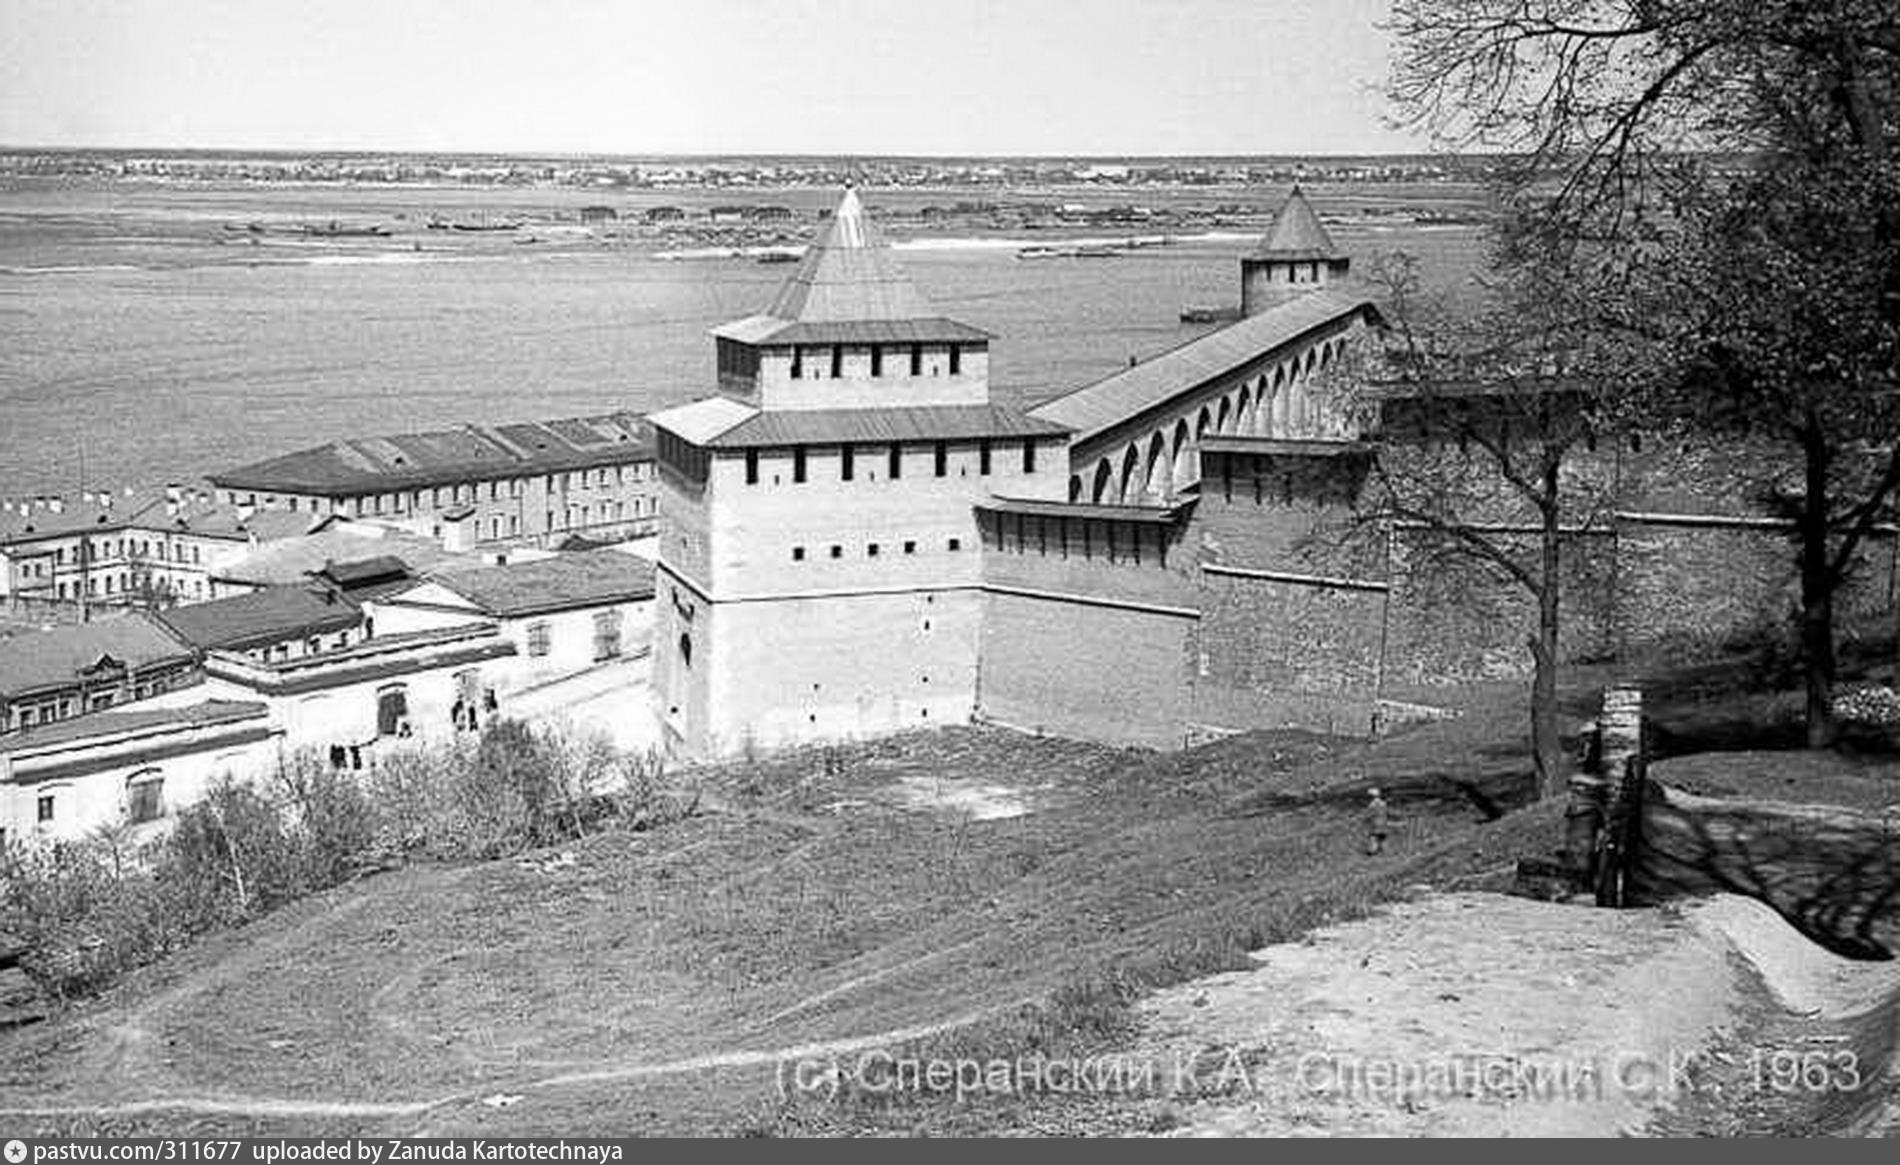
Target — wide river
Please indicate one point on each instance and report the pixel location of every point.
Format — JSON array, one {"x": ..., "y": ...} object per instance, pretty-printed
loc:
[{"x": 145, "y": 338}]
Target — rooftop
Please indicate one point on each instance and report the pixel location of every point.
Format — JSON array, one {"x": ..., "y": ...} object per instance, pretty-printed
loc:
[
  {"x": 148, "y": 508},
  {"x": 1108, "y": 402},
  {"x": 1297, "y": 235},
  {"x": 94, "y": 725},
  {"x": 847, "y": 282},
  {"x": 292, "y": 562},
  {"x": 580, "y": 578},
  {"x": 720, "y": 423},
  {"x": 1031, "y": 508},
  {"x": 1280, "y": 447},
  {"x": 62, "y": 656},
  {"x": 273, "y": 615},
  {"x": 474, "y": 452}
]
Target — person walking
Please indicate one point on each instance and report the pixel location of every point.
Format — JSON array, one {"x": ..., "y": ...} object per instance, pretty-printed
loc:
[{"x": 1378, "y": 823}]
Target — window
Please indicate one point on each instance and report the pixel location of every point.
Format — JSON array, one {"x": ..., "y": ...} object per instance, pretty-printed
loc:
[
  {"x": 910, "y": 548},
  {"x": 956, "y": 360},
  {"x": 752, "y": 467},
  {"x": 798, "y": 465},
  {"x": 956, "y": 543},
  {"x": 1029, "y": 457},
  {"x": 871, "y": 550},
  {"x": 538, "y": 638},
  {"x": 877, "y": 360},
  {"x": 943, "y": 458},
  {"x": 837, "y": 552},
  {"x": 983, "y": 457},
  {"x": 144, "y": 800},
  {"x": 45, "y": 812},
  {"x": 606, "y": 635},
  {"x": 798, "y": 362},
  {"x": 916, "y": 359},
  {"x": 837, "y": 361},
  {"x": 686, "y": 649},
  {"x": 897, "y": 462},
  {"x": 392, "y": 711},
  {"x": 312, "y": 645},
  {"x": 848, "y": 463},
  {"x": 798, "y": 554}
]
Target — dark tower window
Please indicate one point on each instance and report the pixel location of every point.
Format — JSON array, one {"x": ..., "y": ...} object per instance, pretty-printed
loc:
[
  {"x": 983, "y": 457},
  {"x": 837, "y": 361},
  {"x": 956, "y": 359},
  {"x": 686, "y": 649},
  {"x": 752, "y": 467},
  {"x": 916, "y": 359},
  {"x": 798, "y": 362},
  {"x": 877, "y": 360},
  {"x": 1029, "y": 457},
  {"x": 848, "y": 463},
  {"x": 897, "y": 461},
  {"x": 798, "y": 465},
  {"x": 943, "y": 458}
]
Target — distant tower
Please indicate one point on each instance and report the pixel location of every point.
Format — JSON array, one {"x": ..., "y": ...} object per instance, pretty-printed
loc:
[
  {"x": 1296, "y": 257},
  {"x": 820, "y": 573}
]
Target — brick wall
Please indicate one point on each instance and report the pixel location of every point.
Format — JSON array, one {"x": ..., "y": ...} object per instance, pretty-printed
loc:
[{"x": 1073, "y": 668}]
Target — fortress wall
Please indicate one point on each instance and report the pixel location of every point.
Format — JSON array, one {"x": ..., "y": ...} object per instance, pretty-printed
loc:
[
  {"x": 1070, "y": 667},
  {"x": 1274, "y": 654}
]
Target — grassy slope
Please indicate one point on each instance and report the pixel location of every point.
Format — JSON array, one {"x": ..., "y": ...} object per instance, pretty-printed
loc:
[{"x": 810, "y": 907}]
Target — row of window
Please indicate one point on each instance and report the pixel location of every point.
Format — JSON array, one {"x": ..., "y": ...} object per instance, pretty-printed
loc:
[
  {"x": 463, "y": 493},
  {"x": 876, "y": 549},
  {"x": 893, "y": 461},
  {"x": 154, "y": 588},
  {"x": 607, "y": 644},
  {"x": 101, "y": 550},
  {"x": 832, "y": 357},
  {"x": 144, "y": 799}
]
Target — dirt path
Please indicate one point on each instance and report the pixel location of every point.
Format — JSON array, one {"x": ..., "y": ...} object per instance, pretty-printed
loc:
[
  {"x": 605, "y": 1072},
  {"x": 1458, "y": 1015}
]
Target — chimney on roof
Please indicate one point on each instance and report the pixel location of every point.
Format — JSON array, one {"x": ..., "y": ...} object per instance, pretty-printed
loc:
[
  {"x": 174, "y": 492},
  {"x": 57, "y": 505},
  {"x": 127, "y": 491},
  {"x": 105, "y": 500},
  {"x": 171, "y": 507},
  {"x": 85, "y": 497},
  {"x": 245, "y": 511}
]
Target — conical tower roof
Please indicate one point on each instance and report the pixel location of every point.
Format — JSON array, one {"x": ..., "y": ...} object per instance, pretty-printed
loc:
[
  {"x": 1297, "y": 235},
  {"x": 849, "y": 273}
]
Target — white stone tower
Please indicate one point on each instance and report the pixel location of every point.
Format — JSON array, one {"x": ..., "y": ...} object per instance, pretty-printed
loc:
[{"x": 820, "y": 568}]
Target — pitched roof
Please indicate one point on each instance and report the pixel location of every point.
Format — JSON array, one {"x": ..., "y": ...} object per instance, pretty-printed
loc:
[
  {"x": 1035, "y": 508},
  {"x": 848, "y": 281},
  {"x": 1283, "y": 447},
  {"x": 1097, "y": 407},
  {"x": 720, "y": 423},
  {"x": 273, "y": 615},
  {"x": 414, "y": 460},
  {"x": 290, "y": 562},
  {"x": 1297, "y": 234},
  {"x": 582, "y": 578},
  {"x": 116, "y": 723},
  {"x": 764, "y": 329},
  {"x": 27, "y": 521},
  {"x": 56, "y": 658}
]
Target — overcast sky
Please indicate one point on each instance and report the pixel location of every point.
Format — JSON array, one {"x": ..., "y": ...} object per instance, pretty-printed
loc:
[{"x": 700, "y": 76}]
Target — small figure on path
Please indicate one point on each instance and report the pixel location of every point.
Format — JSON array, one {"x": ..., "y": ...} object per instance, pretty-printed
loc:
[{"x": 1378, "y": 823}]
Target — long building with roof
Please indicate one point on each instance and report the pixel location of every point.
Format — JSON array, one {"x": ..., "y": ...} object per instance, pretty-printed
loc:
[{"x": 534, "y": 483}]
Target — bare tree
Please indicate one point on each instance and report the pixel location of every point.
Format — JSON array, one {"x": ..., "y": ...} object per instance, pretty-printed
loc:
[
  {"x": 1724, "y": 171},
  {"x": 1482, "y": 422}
]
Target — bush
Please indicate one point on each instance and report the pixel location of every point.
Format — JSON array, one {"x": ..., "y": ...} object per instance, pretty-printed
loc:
[{"x": 84, "y": 913}]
